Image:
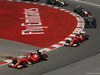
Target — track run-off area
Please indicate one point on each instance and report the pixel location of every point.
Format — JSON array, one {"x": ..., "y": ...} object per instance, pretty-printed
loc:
[{"x": 65, "y": 55}]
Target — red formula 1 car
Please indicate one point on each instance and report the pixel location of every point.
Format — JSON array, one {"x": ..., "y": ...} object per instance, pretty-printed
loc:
[
  {"x": 29, "y": 59},
  {"x": 72, "y": 42},
  {"x": 75, "y": 41}
]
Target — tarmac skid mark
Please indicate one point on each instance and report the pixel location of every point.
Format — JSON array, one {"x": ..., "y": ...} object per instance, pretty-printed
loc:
[{"x": 34, "y": 24}]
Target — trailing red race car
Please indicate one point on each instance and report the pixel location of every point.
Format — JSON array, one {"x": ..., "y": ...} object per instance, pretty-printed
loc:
[
  {"x": 75, "y": 41},
  {"x": 29, "y": 59}
]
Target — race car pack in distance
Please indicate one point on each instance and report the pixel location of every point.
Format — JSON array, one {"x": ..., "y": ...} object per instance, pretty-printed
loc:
[{"x": 90, "y": 21}]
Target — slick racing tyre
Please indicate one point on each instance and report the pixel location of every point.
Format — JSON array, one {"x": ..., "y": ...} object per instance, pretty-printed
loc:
[
  {"x": 82, "y": 14},
  {"x": 86, "y": 20},
  {"x": 75, "y": 10},
  {"x": 65, "y": 4},
  {"x": 58, "y": 3},
  {"x": 76, "y": 42},
  {"x": 86, "y": 25},
  {"x": 94, "y": 20},
  {"x": 86, "y": 37},
  {"x": 34, "y": 0},
  {"x": 14, "y": 61},
  {"x": 24, "y": 63},
  {"x": 32, "y": 62},
  {"x": 48, "y": 2},
  {"x": 95, "y": 25},
  {"x": 44, "y": 57},
  {"x": 68, "y": 41}
]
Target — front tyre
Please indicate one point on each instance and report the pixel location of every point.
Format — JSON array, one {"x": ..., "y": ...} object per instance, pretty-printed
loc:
[
  {"x": 14, "y": 61},
  {"x": 65, "y": 4}
]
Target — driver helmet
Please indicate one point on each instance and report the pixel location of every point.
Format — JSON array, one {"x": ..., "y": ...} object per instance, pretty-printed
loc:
[
  {"x": 31, "y": 54},
  {"x": 82, "y": 9}
]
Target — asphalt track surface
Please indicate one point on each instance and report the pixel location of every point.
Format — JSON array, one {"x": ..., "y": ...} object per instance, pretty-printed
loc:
[
  {"x": 14, "y": 49},
  {"x": 65, "y": 55}
]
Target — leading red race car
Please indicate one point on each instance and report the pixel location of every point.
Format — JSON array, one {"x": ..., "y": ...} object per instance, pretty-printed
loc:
[
  {"x": 29, "y": 59},
  {"x": 75, "y": 41}
]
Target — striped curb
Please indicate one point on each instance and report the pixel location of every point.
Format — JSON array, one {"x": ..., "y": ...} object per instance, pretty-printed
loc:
[{"x": 79, "y": 27}]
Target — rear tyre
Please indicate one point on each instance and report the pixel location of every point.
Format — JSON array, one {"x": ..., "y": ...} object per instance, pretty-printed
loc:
[
  {"x": 86, "y": 26},
  {"x": 35, "y": 0},
  {"x": 58, "y": 3},
  {"x": 75, "y": 10},
  {"x": 82, "y": 15},
  {"x": 65, "y": 4},
  {"x": 31, "y": 0},
  {"x": 86, "y": 37},
  {"x": 95, "y": 25},
  {"x": 94, "y": 20},
  {"x": 78, "y": 43},
  {"x": 45, "y": 57},
  {"x": 48, "y": 2}
]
